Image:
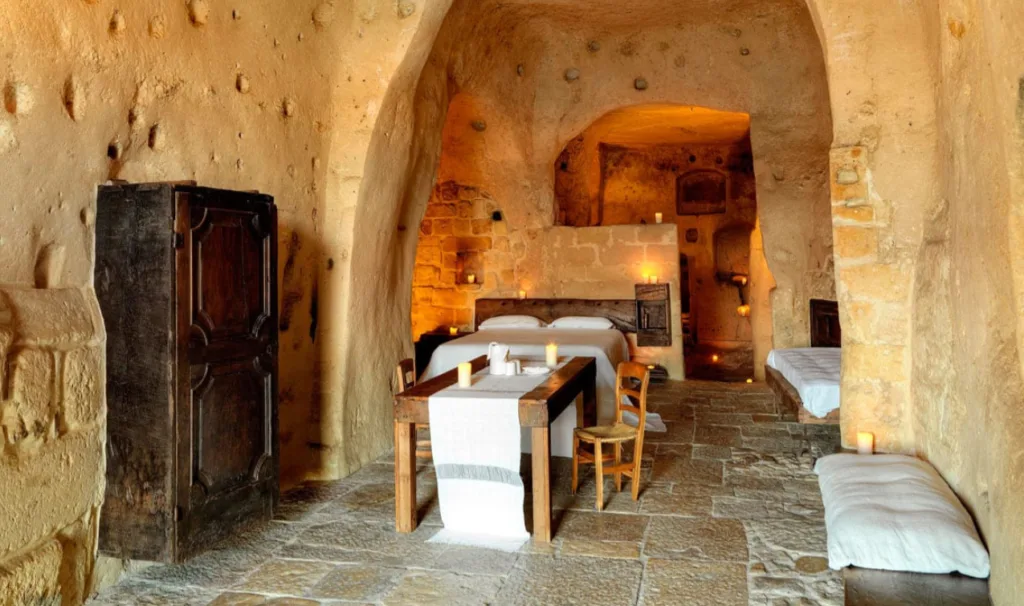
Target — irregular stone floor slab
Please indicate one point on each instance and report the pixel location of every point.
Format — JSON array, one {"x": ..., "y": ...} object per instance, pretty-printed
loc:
[{"x": 729, "y": 513}]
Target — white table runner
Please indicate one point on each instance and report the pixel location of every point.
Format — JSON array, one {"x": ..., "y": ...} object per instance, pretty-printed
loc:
[{"x": 474, "y": 440}]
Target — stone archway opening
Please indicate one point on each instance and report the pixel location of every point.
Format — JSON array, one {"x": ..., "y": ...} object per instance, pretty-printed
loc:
[
  {"x": 509, "y": 90},
  {"x": 691, "y": 167}
]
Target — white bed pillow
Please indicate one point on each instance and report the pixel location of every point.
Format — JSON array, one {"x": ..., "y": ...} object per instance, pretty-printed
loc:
[
  {"x": 511, "y": 322},
  {"x": 894, "y": 512},
  {"x": 582, "y": 322}
]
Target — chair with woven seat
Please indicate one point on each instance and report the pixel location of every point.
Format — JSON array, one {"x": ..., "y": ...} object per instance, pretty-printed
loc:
[
  {"x": 631, "y": 381},
  {"x": 405, "y": 377}
]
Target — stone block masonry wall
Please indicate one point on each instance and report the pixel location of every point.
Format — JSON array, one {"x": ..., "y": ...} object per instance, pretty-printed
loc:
[
  {"x": 458, "y": 236},
  {"x": 52, "y": 422},
  {"x": 873, "y": 287}
]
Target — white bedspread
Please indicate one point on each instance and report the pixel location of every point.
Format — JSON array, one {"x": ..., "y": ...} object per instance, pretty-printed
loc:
[
  {"x": 814, "y": 372},
  {"x": 608, "y": 346}
]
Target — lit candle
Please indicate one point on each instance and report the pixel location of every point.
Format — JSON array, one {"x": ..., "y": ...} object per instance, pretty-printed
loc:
[
  {"x": 453, "y": 331},
  {"x": 865, "y": 442},
  {"x": 714, "y": 357},
  {"x": 647, "y": 277},
  {"x": 750, "y": 380},
  {"x": 657, "y": 218},
  {"x": 522, "y": 294},
  {"x": 551, "y": 355},
  {"x": 470, "y": 278},
  {"x": 654, "y": 279},
  {"x": 466, "y": 374}
]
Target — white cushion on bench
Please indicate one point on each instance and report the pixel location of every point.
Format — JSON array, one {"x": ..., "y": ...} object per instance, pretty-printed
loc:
[{"x": 893, "y": 512}]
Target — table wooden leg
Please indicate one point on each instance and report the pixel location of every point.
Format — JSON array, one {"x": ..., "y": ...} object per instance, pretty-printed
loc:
[
  {"x": 405, "y": 477},
  {"x": 541, "y": 458}
]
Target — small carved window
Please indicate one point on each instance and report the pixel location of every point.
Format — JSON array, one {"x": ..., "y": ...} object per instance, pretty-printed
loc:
[{"x": 701, "y": 192}]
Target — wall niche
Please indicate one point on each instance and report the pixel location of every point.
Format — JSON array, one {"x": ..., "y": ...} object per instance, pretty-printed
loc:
[{"x": 701, "y": 192}]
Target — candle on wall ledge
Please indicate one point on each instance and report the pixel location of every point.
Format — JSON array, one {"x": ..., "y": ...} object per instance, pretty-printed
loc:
[
  {"x": 865, "y": 442},
  {"x": 657, "y": 218},
  {"x": 466, "y": 374},
  {"x": 522, "y": 294},
  {"x": 453, "y": 331},
  {"x": 551, "y": 355},
  {"x": 470, "y": 278}
]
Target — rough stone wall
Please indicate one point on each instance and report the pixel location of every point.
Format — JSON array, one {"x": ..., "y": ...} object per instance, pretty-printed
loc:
[
  {"x": 967, "y": 294},
  {"x": 459, "y": 237},
  {"x": 52, "y": 414}
]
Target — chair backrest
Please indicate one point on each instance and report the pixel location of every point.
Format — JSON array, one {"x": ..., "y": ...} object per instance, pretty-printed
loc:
[
  {"x": 405, "y": 375},
  {"x": 627, "y": 377}
]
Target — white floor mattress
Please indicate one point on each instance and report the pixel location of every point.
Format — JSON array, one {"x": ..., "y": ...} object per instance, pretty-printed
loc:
[
  {"x": 608, "y": 346},
  {"x": 814, "y": 372}
]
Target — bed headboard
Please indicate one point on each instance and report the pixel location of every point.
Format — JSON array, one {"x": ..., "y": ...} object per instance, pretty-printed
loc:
[
  {"x": 825, "y": 330},
  {"x": 622, "y": 312}
]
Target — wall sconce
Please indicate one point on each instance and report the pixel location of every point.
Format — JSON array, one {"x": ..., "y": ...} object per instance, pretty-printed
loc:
[{"x": 743, "y": 311}]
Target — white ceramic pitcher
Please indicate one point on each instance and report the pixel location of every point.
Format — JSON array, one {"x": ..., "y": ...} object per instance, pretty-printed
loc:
[{"x": 498, "y": 354}]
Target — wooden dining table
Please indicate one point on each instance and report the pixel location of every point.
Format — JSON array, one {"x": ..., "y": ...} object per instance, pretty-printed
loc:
[{"x": 575, "y": 382}]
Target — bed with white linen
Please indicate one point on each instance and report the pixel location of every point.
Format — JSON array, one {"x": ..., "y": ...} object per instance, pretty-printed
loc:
[
  {"x": 608, "y": 346},
  {"x": 806, "y": 379},
  {"x": 814, "y": 373}
]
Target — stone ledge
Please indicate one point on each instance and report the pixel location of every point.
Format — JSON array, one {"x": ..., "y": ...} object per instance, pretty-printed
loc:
[{"x": 60, "y": 318}]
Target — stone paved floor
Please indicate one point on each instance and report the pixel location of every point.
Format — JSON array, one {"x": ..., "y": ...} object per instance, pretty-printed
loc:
[{"x": 729, "y": 514}]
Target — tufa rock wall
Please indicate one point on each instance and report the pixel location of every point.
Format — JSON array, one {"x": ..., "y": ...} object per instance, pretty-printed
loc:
[
  {"x": 967, "y": 290},
  {"x": 282, "y": 98}
]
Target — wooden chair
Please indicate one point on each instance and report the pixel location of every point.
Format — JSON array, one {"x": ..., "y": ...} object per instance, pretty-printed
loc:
[
  {"x": 405, "y": 377},
  {"x": 626, "y": 377}
]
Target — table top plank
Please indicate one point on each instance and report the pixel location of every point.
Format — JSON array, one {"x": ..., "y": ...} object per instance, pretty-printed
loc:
[{"x": 535, "y": 408}]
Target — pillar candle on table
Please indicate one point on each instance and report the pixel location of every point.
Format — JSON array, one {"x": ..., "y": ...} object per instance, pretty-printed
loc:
[
  {"x": 865, "y": 442},
  {"x": 551, "y": 355},
  {"x": 654, "y": 279},
  {"x": 657, "y": 218},
  {"x": 453, "y": 331},
  {"x": 466, "y": 374},
  {"x": 522, "y": 294}
]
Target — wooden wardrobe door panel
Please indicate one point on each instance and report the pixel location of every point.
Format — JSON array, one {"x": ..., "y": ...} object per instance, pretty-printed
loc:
[
  {"x": 229, "y": 300},
  {"x": 227, "y": 316},
  {"x": 231, "y": 402}
]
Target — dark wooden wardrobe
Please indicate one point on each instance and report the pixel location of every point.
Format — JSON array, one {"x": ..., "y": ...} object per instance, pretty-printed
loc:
[{"x": 186, "y": 278}]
